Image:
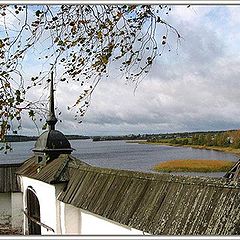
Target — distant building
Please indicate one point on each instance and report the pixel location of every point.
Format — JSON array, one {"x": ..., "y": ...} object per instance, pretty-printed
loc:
[{"x": 11, "y": 215}]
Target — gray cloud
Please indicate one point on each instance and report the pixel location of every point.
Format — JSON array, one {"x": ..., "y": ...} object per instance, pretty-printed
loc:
[{"x": 194, "y": 88}]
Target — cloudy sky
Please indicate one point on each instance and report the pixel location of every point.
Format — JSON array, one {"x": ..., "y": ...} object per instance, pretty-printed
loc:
[{"x": 194, "y": 87}]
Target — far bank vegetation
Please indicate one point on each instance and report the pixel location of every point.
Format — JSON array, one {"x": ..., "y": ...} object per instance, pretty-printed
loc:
[{"x": 224, "y": 139}]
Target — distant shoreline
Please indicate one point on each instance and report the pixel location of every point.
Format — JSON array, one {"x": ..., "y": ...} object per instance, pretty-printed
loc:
[
  {"x": 22, "y": 138},
  {"x": 215, "y": 148}
]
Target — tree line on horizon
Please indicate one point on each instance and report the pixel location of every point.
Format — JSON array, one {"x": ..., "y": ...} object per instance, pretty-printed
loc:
[{"x": 224, "y": 139}]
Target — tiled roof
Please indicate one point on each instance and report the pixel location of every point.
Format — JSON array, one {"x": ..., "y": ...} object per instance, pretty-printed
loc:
[{"x": 55, "y": 171}]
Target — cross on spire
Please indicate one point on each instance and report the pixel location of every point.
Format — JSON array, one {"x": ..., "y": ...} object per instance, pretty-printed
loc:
[{"x": 51, "y": 120}]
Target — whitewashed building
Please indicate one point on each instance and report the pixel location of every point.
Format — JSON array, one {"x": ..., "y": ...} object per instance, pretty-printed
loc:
[{"x": 67, "y": 196}]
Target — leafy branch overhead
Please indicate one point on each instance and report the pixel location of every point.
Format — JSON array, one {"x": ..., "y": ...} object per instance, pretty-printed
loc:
[{"x": 80, "y": 40}]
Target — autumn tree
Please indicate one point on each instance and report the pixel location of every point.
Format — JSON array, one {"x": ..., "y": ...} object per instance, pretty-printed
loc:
[
  {"x": 81, "y": 42},
  {"x": 235, "y": 137},
  {"x": 195, "y": 139},
  {"x": 208, "y": 140}
]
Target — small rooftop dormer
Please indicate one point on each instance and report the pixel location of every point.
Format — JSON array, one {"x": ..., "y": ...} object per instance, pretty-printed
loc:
[
  {"x": 234, "y": 173},
  {"x": 51, "y": 143}
]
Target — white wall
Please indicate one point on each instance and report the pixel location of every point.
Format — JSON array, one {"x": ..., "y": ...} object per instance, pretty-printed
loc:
[
  {"x": 5, "y": 208},
  {"x": 47, "y": 200},
  {"x": 78, "y": 221},
  {"x": 60, "y": 228},
  {"x": 72, "y": 220},
  {"x": 96, "y": 225},
  {"x": 17, "y": 207}
]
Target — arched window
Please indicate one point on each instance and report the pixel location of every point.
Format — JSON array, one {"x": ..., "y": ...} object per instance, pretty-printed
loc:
[{"x": 33, "y": 212}]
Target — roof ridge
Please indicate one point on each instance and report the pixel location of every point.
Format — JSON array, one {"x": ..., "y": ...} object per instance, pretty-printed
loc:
[
  {"x": 10, "y": 165},
  {"x": 61, "y": 170},
  {"x": 219, "y": 182}
]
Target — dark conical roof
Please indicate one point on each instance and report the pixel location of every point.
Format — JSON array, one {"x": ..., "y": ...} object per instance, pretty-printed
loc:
[{"x": 52, "y": 141}]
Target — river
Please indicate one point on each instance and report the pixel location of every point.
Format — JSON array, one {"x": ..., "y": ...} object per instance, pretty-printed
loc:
[{"x": 122, "y": 155}]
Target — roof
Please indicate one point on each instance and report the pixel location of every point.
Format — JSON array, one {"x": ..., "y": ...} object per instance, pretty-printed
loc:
[
  {"x": 234, "y": 172},
  {"x": 8, "y": 178},
  {"x": 157, "y": 203},
  {"x": 52, "y": 140},
  {"x": 55, "y": 171},
  {"x": 154, "y": 203}
]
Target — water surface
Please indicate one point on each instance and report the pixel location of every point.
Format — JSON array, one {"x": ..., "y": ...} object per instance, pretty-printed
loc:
[{"x": 122, "y": 155}]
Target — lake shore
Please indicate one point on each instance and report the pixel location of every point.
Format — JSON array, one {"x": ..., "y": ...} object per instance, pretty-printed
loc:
[{"x": 215, "y": 148}]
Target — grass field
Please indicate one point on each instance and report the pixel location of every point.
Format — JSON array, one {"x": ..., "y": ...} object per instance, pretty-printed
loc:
[{"x": 194, "y": 165}]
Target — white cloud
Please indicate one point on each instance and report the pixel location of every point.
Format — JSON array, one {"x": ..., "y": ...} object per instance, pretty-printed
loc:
[{"x": 196, "y": 89}]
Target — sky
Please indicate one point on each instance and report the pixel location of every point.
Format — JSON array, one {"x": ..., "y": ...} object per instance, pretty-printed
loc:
[{"x": 194, "y": 87}]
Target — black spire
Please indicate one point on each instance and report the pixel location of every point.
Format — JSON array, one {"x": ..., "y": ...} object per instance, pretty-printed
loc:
[
  {"x": 51, "y": 120},
  {"x": 51, "y": 142}
]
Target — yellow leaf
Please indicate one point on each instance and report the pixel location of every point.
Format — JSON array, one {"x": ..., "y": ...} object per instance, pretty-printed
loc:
[
  {"x": 99, "y": 35},
  {"x": 1, "y": 44}
]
